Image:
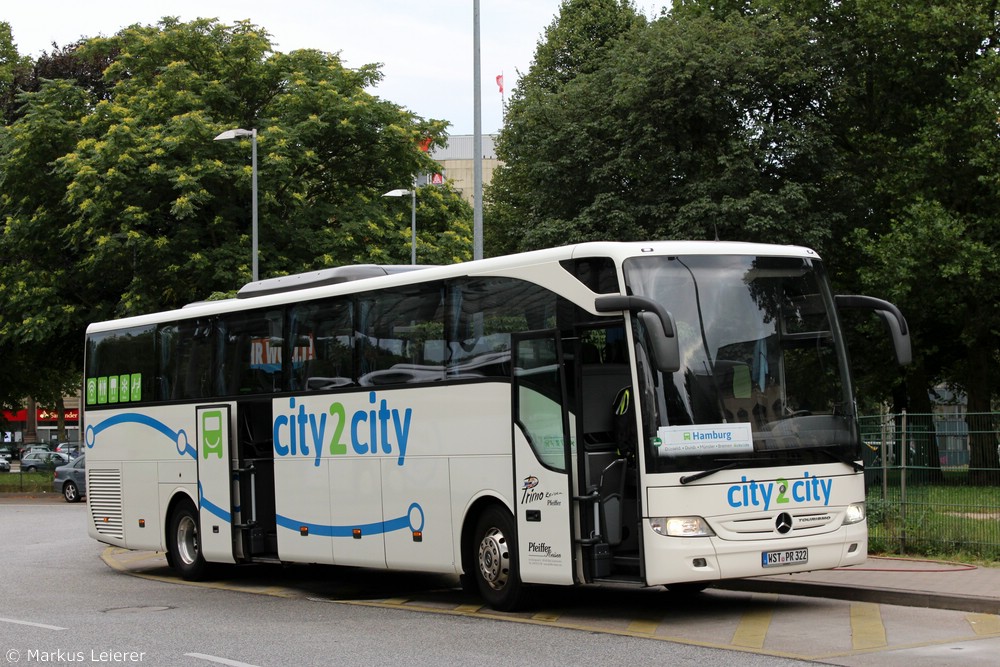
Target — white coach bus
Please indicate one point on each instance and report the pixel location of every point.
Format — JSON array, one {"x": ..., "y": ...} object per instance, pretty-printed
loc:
[{"x": 657, "y": 413}]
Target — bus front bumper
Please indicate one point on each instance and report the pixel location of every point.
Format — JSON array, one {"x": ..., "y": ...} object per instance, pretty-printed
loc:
[{"x": 682, "y": 559}]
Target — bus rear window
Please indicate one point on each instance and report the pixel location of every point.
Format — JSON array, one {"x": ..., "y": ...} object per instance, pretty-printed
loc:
[{"x": 120, "y": 366}]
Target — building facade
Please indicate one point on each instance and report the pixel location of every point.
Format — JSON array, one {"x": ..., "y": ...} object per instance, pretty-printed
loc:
[{"x": 456, "y": 160}]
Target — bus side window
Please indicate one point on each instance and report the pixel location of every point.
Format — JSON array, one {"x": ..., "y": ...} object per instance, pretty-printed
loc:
[
  {"x": 186, "y": 352},
  {"x": 401, "y": 336},
  {"x": 322, "y": 341},
  {"x": 482, "y": 315},
  {"x": 251, "y": 353},
  {"x": 125, "y": 362}
]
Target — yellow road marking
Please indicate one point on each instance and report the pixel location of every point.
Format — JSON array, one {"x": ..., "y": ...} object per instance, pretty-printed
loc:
[
  {"x": 984, "y": 624},
  {"x": 643, "y": 627},
  {"x": 752, "y": 630},
  {"x": 545, "y": 617},
  {"x": 867, "y": 630},
  {"x": 396, "y": 601}
]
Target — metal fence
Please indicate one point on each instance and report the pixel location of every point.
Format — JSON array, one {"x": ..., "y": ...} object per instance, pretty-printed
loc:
[{"x": 933, "y": 483}]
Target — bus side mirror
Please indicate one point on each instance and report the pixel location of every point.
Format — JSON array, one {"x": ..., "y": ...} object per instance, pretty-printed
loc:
[
  {"x": 890, "y": 314},
  {"x": 659, "y": 324},
  {"x": 665, "y": 348}
]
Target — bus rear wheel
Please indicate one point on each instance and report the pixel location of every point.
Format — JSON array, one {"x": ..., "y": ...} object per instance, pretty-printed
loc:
[
  {"x": 184, "y": 544},
  {"x": 494, "y": 554}
]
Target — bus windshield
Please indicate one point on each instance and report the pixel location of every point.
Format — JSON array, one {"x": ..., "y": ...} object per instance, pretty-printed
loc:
[{"x": 763, "y": 376}]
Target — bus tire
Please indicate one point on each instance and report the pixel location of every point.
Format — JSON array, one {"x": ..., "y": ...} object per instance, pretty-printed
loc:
[
  {"x": 494, "y": 555},
  {"x": 184, "y": 543}
]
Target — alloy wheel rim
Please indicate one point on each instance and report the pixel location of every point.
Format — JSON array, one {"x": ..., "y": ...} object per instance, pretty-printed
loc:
[
  {"x": 494, "y": 559},
  {"x": 187, "y": 540}
]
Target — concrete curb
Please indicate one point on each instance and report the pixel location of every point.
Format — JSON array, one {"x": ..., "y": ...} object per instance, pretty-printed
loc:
[{"x": 891, "y": 596}]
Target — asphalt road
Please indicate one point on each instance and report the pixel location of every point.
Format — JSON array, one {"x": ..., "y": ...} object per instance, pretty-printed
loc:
[{"x": 60, "y": 603}]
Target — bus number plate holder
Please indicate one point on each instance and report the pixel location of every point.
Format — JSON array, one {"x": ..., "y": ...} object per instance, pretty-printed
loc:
[{"x": 784, "y": 557}]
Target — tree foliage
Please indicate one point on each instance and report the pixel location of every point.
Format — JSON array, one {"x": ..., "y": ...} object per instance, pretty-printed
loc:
[
  {"x": 690, "y": 127},
  {"x": 115, "y": 200},
  {"x": 13, "y": 68},
  {"x": 867, "y": 129}
]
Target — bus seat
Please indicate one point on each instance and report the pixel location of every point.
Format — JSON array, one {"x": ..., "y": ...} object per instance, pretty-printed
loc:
[{"x": 601, "y": 382}]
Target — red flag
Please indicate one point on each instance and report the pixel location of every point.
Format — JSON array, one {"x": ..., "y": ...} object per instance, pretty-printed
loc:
[
  {"x": 425, "y": 144},
  {"x": 500, "y": 82}
]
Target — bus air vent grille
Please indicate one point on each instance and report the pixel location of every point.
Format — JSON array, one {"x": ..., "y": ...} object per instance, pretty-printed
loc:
[{"x": 104, "y": 491}]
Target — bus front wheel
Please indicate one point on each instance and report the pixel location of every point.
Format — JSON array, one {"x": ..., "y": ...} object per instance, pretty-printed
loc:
[
  {"x": 184, "y": 548},
  {"x": 494, "y": 553}
]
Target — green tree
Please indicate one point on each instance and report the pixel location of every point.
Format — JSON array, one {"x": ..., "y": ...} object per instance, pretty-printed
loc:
[
  {"x": 690, "y": 128},
  {"x": 13, "y": 67},
  {"x": 916, "y": 118},
  {"x": 531, "y": 187},
  {"x": 866, "y": 129},
  {"x": 115, "y": 200},
  {"x": 443, "y": 221}
]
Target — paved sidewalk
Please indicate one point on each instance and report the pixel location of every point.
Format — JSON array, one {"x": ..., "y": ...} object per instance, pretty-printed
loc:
[{"x": 908, "y": 582}]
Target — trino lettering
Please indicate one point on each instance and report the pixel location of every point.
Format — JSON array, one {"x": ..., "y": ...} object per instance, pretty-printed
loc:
[
  {"x": 303, "y": 433},
  {"x": 530, "y": 496}
]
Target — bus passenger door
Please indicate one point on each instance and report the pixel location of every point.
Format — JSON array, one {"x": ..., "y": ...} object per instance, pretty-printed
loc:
[
  {"x": 543, "y": 456},
  {"x": 215, "y": 487}
]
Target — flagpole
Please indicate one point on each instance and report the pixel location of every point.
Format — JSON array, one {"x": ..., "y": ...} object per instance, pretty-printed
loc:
[{"x": 477, "y": 142}]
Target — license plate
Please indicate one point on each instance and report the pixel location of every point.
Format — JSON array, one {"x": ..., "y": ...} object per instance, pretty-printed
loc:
[{"x": 779, "y": 558}]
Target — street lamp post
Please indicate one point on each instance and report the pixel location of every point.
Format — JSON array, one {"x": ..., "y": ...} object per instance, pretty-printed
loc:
[
  {"x": 413, "y": 218},
  {"x": 233, "y": 135}
]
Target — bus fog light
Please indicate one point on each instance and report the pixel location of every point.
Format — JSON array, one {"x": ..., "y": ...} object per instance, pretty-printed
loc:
[
  {"x": 681, "y": 526},
  {"x": 855, "y": 513}
]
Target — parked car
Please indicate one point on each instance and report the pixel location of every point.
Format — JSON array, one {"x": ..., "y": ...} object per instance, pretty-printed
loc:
[
  {"x": 4, "y": 465},
  {"x": 42, "y": 460},
  {"x": 71, "y": 480},
  {"x": 37, "y": 447},
  {"x": 70, "y": 449},
  {"x": 7, "y": 453}
]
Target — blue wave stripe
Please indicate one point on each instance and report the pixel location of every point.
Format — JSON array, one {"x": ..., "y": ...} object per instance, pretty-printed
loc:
[
  {"x": 212, "y": 507},
  {"x": 177, "y": 437},
  {"x": 377, "y": 528}
]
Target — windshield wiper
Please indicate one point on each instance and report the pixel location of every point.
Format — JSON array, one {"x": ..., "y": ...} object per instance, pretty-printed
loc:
[
  {"x": 687, "y": 479},
  {"x": 733, "y": 463}
]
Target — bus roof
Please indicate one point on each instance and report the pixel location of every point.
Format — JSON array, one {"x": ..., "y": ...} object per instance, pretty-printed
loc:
[{"x": 360, "y": 278}]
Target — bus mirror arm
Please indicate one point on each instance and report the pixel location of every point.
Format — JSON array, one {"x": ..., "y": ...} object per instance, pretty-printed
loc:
[
  {"x": 658, "y": 322},
  {"x": 890, "y": 314}
]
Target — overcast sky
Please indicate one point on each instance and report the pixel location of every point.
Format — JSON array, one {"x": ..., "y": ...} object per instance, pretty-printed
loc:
[{"x": 426, "y": 48}]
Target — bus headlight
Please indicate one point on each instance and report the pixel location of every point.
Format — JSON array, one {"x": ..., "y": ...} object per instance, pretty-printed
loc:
[
  {"x": 681, "y": 526},
  {"x": 855, "y": 513}
]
